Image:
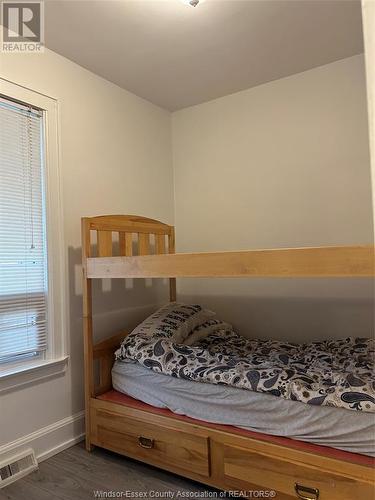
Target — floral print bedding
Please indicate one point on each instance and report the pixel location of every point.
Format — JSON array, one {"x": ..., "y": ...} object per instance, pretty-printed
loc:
[{"x": 337, "y": 373}]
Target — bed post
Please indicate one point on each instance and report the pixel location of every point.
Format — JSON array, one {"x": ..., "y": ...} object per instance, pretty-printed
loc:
[
  {"x": 172, "y": 281},
  {"x": 87, "y": 328}
]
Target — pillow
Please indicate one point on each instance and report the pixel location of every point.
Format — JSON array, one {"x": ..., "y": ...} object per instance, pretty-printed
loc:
[
  {"x": 205, "y": 329},
  {"x": 174, "y": 321}
]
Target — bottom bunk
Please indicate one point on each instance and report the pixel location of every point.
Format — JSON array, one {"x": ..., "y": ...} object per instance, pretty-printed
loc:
[
  {"x": 226, "y": 457},
  {"x": 158, "y": 364}
]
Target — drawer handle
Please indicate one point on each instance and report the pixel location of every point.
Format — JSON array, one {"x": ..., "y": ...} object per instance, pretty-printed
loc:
[
  {"x": 306, "y": 493},
  {"x": 145, "y": 442}
]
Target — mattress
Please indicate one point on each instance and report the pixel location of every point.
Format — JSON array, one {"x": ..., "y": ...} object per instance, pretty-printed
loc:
[{"x": 258, "y": 412}]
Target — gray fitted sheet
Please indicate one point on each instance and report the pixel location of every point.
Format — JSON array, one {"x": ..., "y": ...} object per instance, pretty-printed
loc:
[{"x": 347, "y": 430}]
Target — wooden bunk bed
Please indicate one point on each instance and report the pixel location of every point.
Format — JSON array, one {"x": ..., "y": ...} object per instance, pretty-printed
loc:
[{"x": 218, "y": 455}]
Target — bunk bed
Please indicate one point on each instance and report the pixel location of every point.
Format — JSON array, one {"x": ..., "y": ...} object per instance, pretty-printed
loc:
[{"x": 218, "y": 455}]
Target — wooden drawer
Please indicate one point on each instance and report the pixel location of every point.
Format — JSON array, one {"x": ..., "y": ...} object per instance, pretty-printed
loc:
[
  {"x": 242, "y": 466},
  {"x": 152, "y": 443}
]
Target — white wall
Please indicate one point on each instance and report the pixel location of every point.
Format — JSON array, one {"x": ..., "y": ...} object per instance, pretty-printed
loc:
[
  {"x": 368, "y": 16},
  {"x": 115, "y": 158},
  {"x": 283, "y": 164}
]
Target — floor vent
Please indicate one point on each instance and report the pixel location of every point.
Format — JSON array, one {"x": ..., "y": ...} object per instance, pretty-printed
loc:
[{"x": 17, "y": 466}]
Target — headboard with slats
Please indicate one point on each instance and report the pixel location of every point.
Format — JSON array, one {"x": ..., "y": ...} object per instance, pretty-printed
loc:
[
  {"x": 134, "y": 238},
  {"x": 124, "y": 235}
]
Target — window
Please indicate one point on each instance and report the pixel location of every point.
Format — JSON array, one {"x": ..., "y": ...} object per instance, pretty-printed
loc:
[
  {"x": 31, "y": 249},
  {"x": 23, "y": 256}
]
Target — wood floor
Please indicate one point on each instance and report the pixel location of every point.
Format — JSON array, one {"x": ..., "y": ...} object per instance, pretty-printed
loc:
[{"x": 76, "y": 474}]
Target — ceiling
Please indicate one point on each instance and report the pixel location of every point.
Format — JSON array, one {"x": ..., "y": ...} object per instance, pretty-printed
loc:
[{"x": 175, "y": 55}]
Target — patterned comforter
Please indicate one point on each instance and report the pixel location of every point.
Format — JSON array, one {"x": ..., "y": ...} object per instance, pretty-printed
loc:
[{"x": 336, "y": 373}]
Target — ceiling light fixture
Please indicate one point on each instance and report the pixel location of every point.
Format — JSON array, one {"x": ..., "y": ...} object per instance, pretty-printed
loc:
[{"x": 192, "y": 3}]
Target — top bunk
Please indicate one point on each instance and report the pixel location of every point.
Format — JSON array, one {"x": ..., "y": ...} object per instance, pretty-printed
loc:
[{"x": 128, "y": 246}]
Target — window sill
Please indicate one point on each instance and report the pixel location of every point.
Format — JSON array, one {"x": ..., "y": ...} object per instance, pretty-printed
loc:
[{"x": 28, "y": 373}]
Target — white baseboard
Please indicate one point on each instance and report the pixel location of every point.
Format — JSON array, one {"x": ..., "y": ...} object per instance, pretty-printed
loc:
[{"x": 49, "y": 440}]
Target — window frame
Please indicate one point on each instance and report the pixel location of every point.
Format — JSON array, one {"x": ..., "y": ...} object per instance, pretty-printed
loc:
[{"x": 54, "y": 360}]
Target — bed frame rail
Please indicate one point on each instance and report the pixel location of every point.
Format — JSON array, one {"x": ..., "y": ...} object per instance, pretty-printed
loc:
[{"x": 344, "y": 261}]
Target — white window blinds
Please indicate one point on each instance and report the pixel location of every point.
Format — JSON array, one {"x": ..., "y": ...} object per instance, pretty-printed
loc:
[{"x": 23, "y": 258}]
